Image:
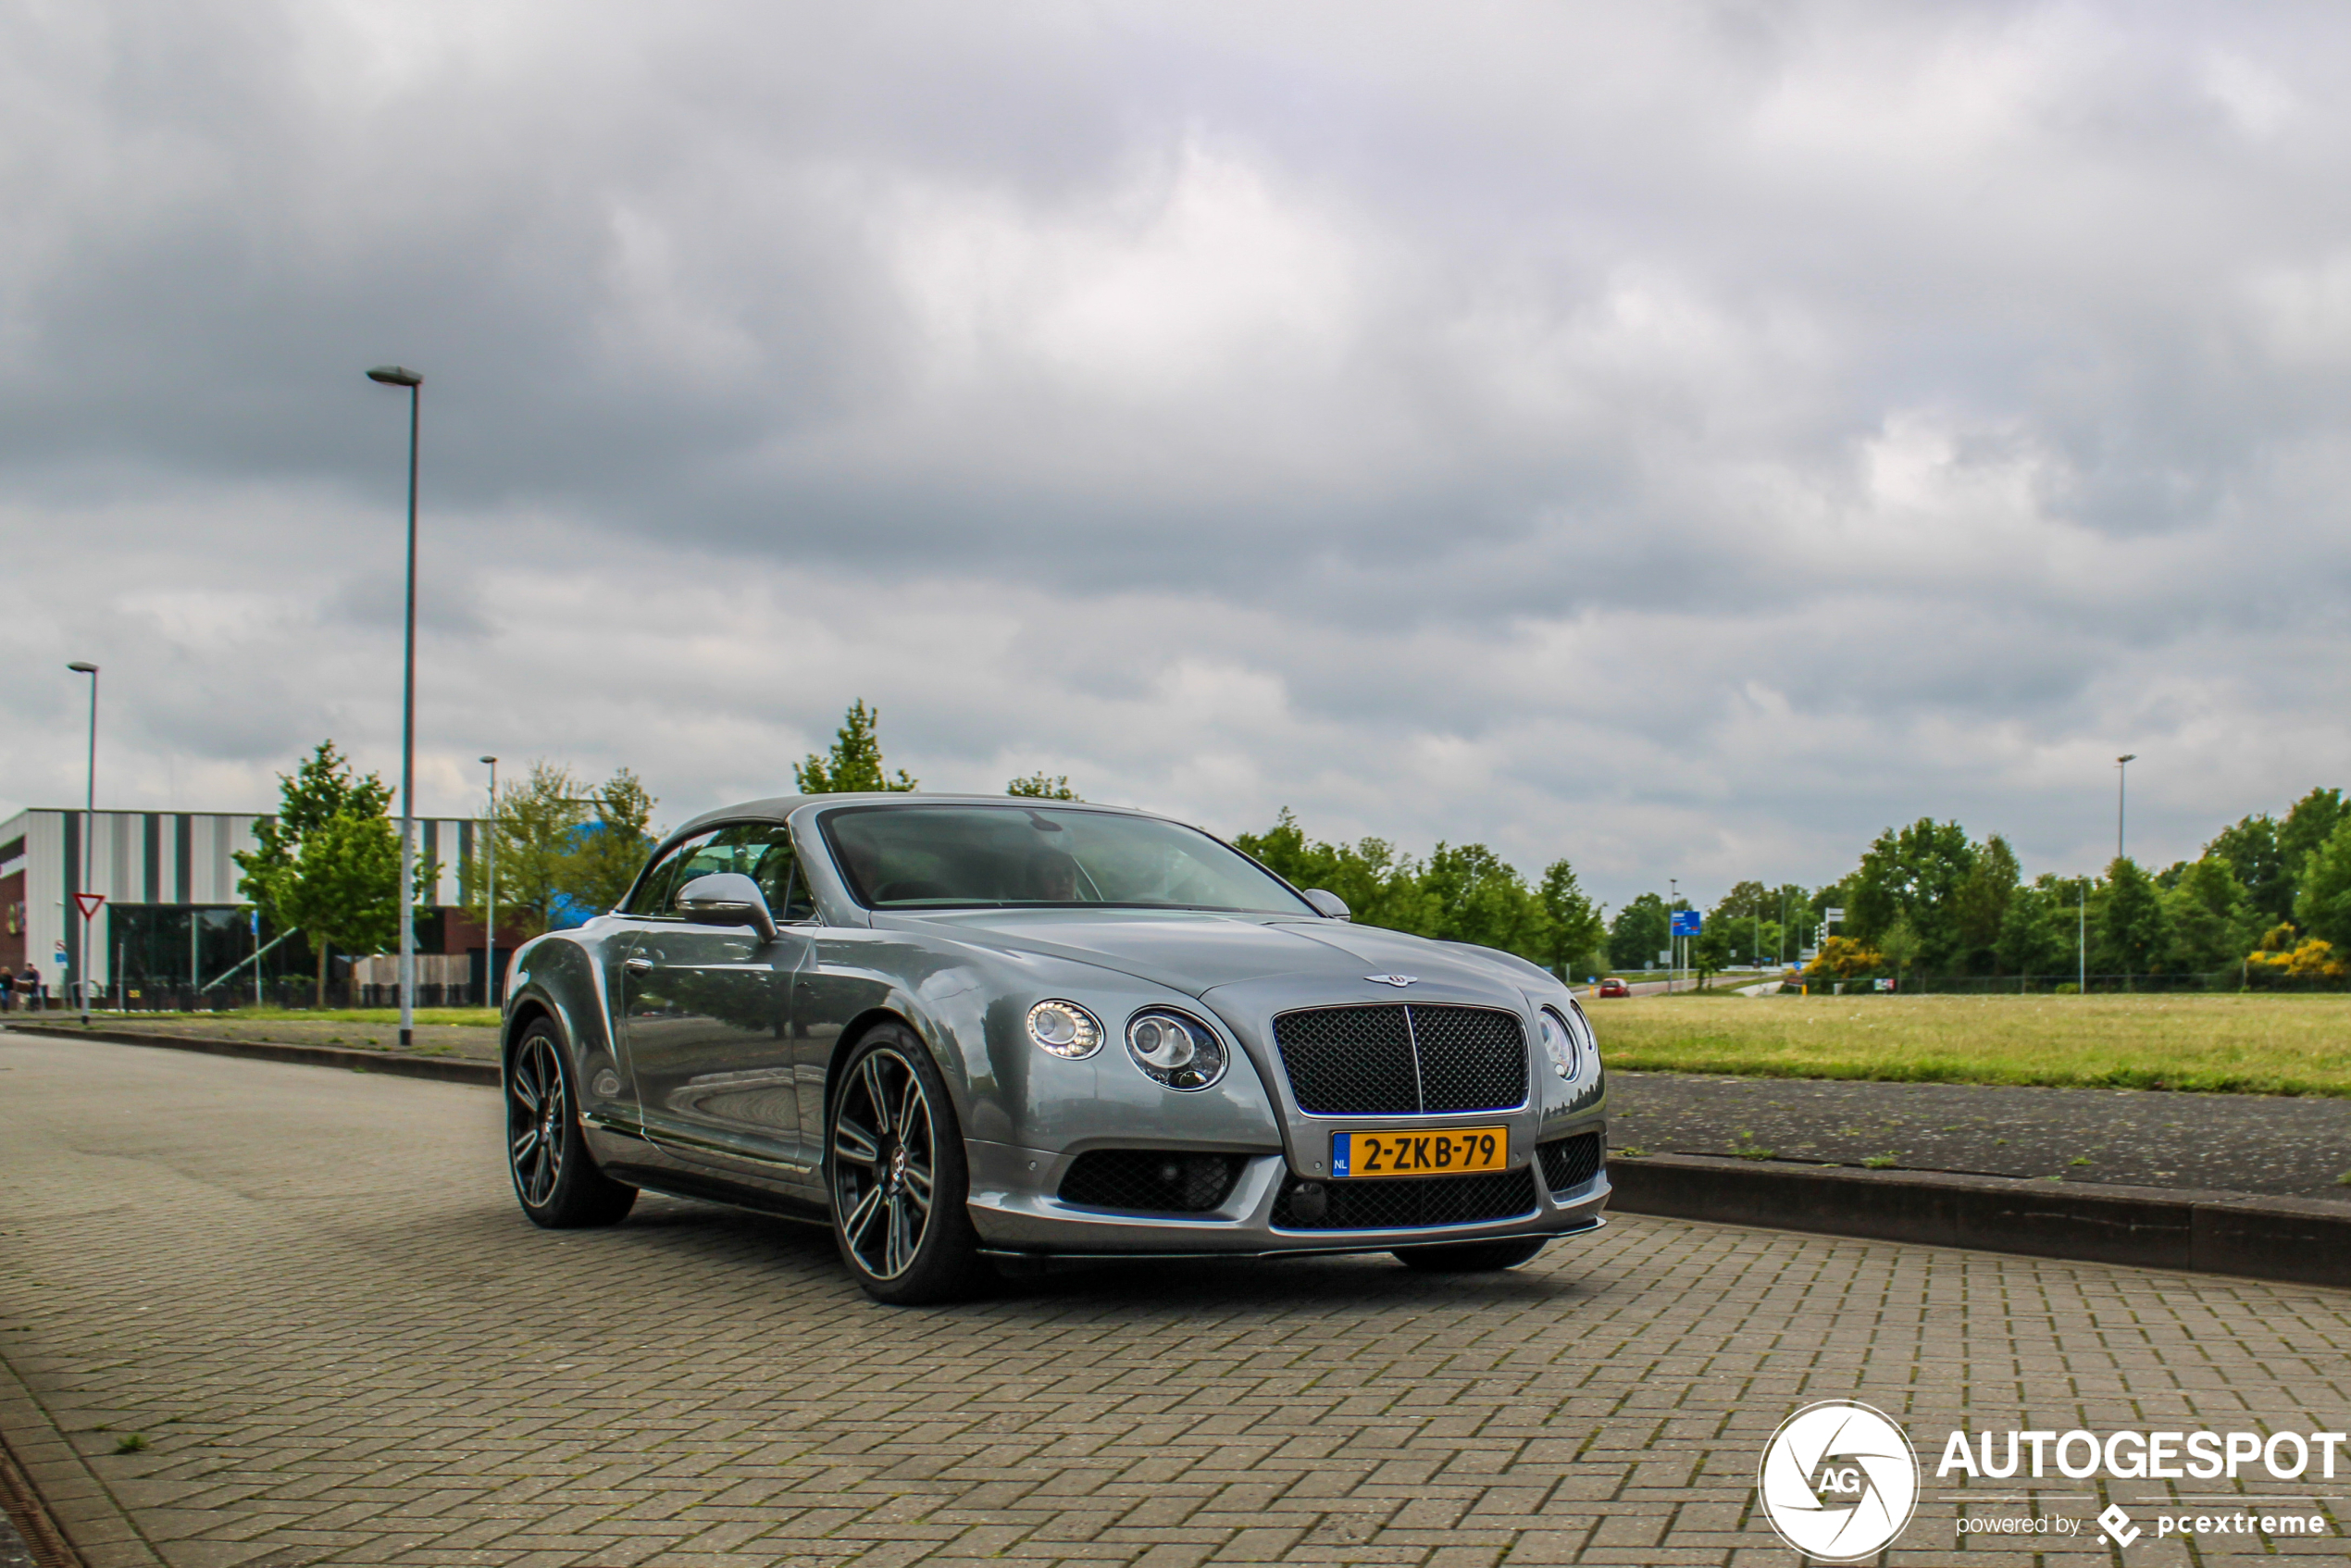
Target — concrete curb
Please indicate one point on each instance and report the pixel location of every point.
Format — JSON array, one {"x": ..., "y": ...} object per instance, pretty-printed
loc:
[
  {"x": 448, "y": 1069},
  {"x": 2301, "y": 1239}
]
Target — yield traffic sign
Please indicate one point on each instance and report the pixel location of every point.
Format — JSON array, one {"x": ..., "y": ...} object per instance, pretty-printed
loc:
[{"x": 89, "y": 904}]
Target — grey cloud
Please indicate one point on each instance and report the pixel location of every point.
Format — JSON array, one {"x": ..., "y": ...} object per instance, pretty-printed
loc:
[{"x": 1704, "y": 434}]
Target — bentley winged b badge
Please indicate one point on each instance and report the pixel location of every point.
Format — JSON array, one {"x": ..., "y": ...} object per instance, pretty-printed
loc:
[{"x": 1399, "y": 981}]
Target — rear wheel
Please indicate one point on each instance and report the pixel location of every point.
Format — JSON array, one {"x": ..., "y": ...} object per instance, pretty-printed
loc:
[
  {"x": 894, "y": 1166},
  {"x": 1472, "y": 1257},
  {"x": 555, "y": 1177}
]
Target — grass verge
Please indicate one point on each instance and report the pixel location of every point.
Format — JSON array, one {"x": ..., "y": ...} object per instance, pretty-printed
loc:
[{"x": 2213, "y": 1044}]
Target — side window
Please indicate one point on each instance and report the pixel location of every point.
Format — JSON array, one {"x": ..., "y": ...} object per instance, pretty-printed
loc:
[
  {"x": 797, "y": 905},
  {"x": 653, "y": 894}
]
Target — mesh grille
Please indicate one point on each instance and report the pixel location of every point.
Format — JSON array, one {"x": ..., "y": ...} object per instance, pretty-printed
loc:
[
  {"x": 1350, "y": 1060},
  {"x": 1471, "y": 1058},
  {"x": 1153, "y": 1181},
  {"x": 1361, "y": 1061},
  {"x": 1405, "y": 1202},
  {"x": 1569, "y": 1163}
]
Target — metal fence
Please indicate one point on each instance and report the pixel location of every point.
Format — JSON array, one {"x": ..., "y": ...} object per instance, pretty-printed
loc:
[
  {"x": 292, "y": 993},
  {"x": 2235, "y": 978}
]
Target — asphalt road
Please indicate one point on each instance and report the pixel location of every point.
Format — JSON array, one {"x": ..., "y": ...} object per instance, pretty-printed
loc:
[{"x": 310, "y": 1295}]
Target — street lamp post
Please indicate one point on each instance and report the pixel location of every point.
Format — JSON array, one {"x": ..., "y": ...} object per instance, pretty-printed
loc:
[
  {"x": 89, "y": 830},
  {"x": 2122, "y": 776},
  {"x": 1673, "y": 942},
  {"x": 398, "y": 376},
  {"x": 490, "y": 898}
]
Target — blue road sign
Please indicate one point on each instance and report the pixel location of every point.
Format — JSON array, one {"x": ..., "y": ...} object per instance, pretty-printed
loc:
[{"x": 1686, "y": 922}]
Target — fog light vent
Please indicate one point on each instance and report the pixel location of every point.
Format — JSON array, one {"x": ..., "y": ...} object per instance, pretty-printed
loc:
[{"x": 1151, "y": 1182}]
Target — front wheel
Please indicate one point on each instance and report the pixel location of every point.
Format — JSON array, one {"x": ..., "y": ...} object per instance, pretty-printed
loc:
[
  {"x": 1472, "y": 1257},
  {"x": 555, "y": 1177},
  {"x": 894, "y": 1166}
]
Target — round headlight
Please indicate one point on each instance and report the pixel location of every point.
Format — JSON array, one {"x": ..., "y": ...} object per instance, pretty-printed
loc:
[
  {"x": 1175, "y": 1051},
  {"x": 1064, "y": 1030},
  {"x": 1559, "y": 1042}
]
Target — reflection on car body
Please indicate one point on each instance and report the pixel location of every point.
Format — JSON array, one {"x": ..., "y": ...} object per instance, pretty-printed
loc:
[{"x": 970, "y": 1029}]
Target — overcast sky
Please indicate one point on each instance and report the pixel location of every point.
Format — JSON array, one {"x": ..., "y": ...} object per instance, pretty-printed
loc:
[{"x": 1683, "y": 438}]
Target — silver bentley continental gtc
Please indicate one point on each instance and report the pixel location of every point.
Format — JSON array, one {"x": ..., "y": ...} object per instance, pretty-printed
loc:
[{"x": 968, "y": 1029}]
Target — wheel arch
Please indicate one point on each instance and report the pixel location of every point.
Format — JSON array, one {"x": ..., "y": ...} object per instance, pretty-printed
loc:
[{"x": 943, "y": 1057}]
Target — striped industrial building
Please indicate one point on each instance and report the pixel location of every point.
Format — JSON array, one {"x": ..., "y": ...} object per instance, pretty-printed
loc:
[{"x": 173, "y": 916}]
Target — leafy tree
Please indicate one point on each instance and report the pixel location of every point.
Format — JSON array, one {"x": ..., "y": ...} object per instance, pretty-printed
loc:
[
  {"x": 327, "y": 863},
  {"x": 1475, "y": 897},
  {"x": 2311, "y": 822},
  {"x": 1916, "y": 872},
  {"x": 2323, "y": 903},
  {"x": 1979, "y": 902},
  {"x": 2210, "y": 918},
  {"x": 1900, "y": 945},
  {"x": 1039, "y": 786},
  {"x": 2250, "y": 847},
  {"x": 607, "y": 853},
  {"x": 1640, "y": 931},
  {"x": 1710, "y": 951},
  {"x": 854, "y": 764},
  {"x": 1380, "y": 886},
  {"x": 562, "y": 848},
  {"x": 2135, "y": 932},
  {"x": 1572, "y": 925}
]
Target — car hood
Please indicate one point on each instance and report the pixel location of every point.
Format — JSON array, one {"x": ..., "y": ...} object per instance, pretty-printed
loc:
[{"x": 1197, "y": 953}]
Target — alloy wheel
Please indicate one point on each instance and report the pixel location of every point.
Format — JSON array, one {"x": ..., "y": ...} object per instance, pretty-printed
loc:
[
  {"x": 884, "y": 1159},
  {"x": 535, "y": 1120}
]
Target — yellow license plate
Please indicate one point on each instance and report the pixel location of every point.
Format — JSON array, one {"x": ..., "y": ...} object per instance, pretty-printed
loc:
[{"x": 1450, "y": 1153}]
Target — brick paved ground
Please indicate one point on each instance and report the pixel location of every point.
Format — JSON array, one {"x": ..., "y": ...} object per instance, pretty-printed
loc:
[{"x": 312, "y": 1295}]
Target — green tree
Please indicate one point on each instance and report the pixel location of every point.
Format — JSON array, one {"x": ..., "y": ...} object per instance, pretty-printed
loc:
[
  {"x": 1900, "y": 945},
  {"x": 1980, "y": 904},
  {"x": 2323, "y": 903},
  {"x": 1573, "y": 927},
  {"x": 559, "y": 842},
  {"x": 2249, "y": 845},
  {"x": 1915, "y": 872},
  {"x": 2134, "y": 932},
  {"x": 1710, "y": 951},
  {"x": 607, "y": 853},
  {"x": 1041, "y": 787},
  {"x": 1639, "y": 933},
  {"x": 1476, "y": 897},
  {"x": 327, "y": 863},
  {"x": 2210, "y": 918},
  {"x": 854, "y": 764},
  {"x": 537, "y": 816},
  {"x": 2310, "y": 822},
  {"x": 1380, "y": 886}
]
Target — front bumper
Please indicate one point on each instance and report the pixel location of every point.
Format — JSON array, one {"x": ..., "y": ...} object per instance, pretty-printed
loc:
[{"x": 1015, "y": 1207}]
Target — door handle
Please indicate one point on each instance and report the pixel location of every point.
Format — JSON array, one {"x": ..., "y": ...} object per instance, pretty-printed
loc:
[{"x": 635, "y": 966}]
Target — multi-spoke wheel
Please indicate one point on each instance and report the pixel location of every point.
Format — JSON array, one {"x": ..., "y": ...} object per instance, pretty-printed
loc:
[
  {"x": 554, "y": 1175},
  {"x": 894, "y": 1161}
]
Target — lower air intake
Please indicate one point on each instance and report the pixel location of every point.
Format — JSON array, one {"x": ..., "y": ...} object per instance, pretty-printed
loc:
[
  {"x": 1151, "y": 1182},
  {"x": 1406, "y": 1202}
]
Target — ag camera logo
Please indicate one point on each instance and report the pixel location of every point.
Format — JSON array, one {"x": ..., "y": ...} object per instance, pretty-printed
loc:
[{"x": 1838, "y": 1481}]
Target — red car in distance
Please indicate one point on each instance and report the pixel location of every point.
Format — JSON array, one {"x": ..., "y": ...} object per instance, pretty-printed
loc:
[{"x": 1613, "y": 986}]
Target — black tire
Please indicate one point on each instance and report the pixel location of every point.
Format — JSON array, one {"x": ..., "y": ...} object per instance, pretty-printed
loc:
[
  {"x": 556, "y": 1179},
  {"x": 894, "y": 1169},
  {"x": 1472, "y": 1257}
]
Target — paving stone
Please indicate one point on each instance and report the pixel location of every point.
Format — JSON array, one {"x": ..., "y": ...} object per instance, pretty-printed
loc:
[{"x": 374, "y": 1359}]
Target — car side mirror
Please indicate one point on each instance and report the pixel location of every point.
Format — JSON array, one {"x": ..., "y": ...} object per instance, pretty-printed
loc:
[
  {"x": 726, "y": 897},
  {"x": 1330, "y": 906}
]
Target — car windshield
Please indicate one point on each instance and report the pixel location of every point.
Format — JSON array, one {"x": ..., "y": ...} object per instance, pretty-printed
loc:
[{"x": 933, "y": 857}]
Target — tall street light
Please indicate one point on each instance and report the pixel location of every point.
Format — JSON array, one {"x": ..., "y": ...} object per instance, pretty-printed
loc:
[
  {"x": 399, "y": 375},
  {"x": 2122, "y": 776},
  {"x": 89, "y": 829},
  {"x": 489, "y": 900}
]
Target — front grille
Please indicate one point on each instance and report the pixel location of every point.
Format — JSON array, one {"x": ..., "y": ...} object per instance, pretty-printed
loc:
[
  {"x": 1391, "y": 1059},
  {"x": 1569, "y": 1163},
  {"x": 1152, "y": 1181},
  {"x": 1404, "y": 1202}
]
